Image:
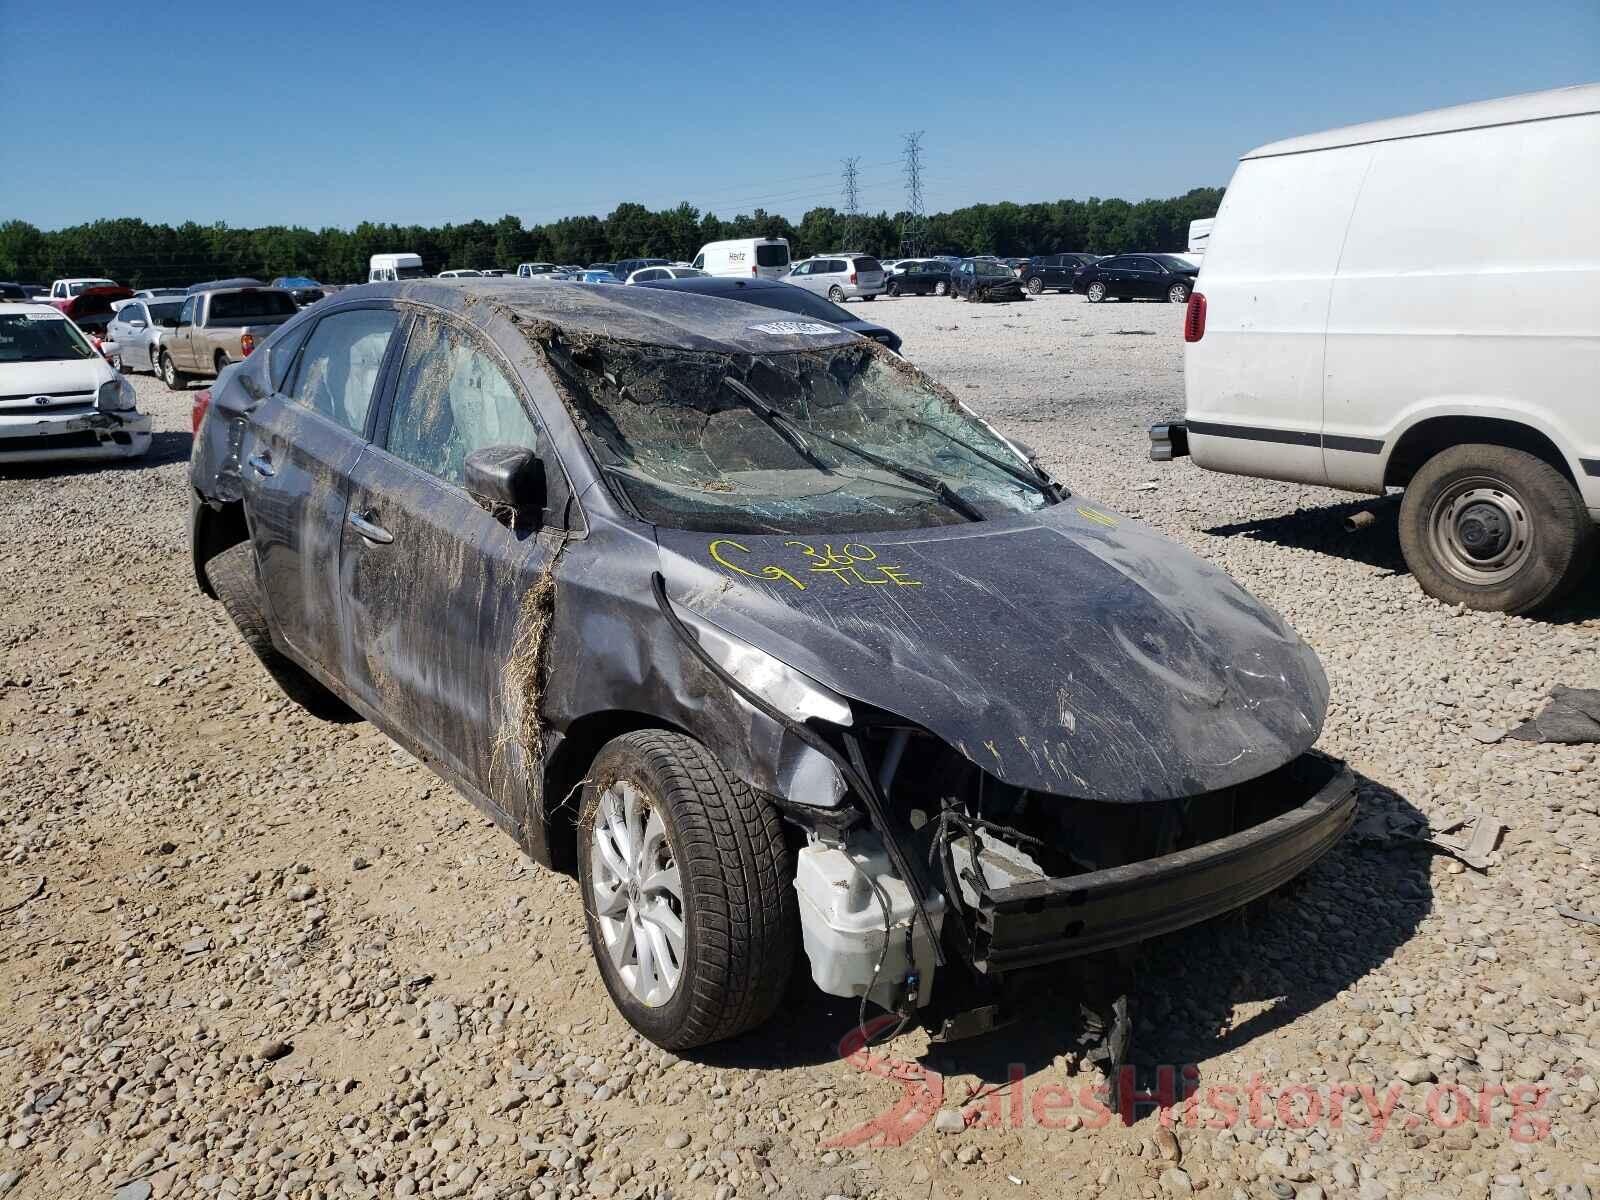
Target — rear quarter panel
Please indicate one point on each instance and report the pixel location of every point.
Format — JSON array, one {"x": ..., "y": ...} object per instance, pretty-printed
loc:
[{"x": 1470, "y": 285}]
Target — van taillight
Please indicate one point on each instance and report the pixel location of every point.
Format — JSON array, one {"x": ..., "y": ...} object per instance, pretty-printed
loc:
[
  {"x": 202, "y": 401},
  {"x": 1194, "y": 321},
  {"x": 247, "y": 343},
  {"x": 852, "y": 276},
  {"x": 754, "y": 269}
]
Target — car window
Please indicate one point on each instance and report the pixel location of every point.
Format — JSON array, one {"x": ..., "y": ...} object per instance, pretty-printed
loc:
[
  {"x": 699, "y": 261},
  {"x": 772, "y": 255},
  {"x": 339, "y": 367},
  {"x": 868, "y": 264},
  {"x": 164, "y": 313},
  {"x": 186, "y": 313},
  {"x": 453, "y": 399},
  {"x": 280, "y": 354},
  {"x": 1146, "y": 265}
]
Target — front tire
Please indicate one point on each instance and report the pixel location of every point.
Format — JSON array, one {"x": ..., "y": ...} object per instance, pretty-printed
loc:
[
  {"x": 1495, "y": 529},
  {"x": 894, "y": 290},
  {"x": 688, "y": 890},
  {"x": 1035, "y": 285},
  {"x": 1095, "y": 292},
  {"x": 175, "y": 379},
  {"x": 234, "y": 578}
]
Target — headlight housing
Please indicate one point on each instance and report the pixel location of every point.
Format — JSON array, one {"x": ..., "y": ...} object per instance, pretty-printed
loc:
[
  {"x": 115, "y": 395},
  {"x": 792, "y": 692}
]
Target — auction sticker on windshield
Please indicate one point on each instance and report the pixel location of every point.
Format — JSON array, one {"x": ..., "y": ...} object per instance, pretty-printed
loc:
[
  {"x": 810, "y": 328},
  {"x": 52, "y": 315}
]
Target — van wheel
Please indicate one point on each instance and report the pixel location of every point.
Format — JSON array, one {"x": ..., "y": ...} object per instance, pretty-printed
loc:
[
  {"x": 1178, "y": 293},
  {"x": 688, "y": 890},
  {"x": 175, "y": 379},
  {"x": 836, "y": 294},
  {"x": 1096, "y": 292},
  {"x": 233, "y": 577},
  {"x": 1494, "y": 529},
  {"x": 1035, "y": 285}
]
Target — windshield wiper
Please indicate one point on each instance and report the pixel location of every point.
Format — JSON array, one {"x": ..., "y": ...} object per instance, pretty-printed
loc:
[
  {"x": 1037, "y": 479},
  {"x": 780, "y": 424},
  {"x": 932, "y": 483}
]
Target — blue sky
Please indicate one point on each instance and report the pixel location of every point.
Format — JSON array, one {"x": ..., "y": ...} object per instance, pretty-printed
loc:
[{"x": 330, "y": 113}]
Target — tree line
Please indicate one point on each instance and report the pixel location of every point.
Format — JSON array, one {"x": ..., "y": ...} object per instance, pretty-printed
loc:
[{"x": 141, "y": 254}]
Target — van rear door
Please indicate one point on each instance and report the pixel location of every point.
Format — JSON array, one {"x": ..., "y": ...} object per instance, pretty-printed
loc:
[
  {"x": 772, "y": 259},
  {"x": 1254, "y": 381}
]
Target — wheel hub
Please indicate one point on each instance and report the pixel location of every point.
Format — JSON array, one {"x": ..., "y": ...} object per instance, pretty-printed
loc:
[
  {"x": 636, "y": 894},
  {"x": 1480, "y": 532}
]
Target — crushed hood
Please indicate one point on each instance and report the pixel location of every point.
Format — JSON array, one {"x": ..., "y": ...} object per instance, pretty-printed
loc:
[{"x": 1073, "y": 652}]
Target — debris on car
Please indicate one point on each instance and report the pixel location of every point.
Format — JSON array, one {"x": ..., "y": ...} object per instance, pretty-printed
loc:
[{"x": 768, "y": 638}]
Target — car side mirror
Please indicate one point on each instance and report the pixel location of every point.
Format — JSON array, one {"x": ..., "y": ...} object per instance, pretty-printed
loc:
[{"x": 508, "y": 483}]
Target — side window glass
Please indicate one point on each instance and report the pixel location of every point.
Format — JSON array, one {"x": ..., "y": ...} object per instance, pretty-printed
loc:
[
  {"x": 280, "y": 355},
  {"x": 339, "y": 367},
  {"x": 186, "y": 315},
  {"x": 699, "y": 263},
  {"x": 453, "y": 399}
]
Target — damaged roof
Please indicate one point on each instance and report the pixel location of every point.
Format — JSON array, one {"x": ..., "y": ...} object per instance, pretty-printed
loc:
[{"x": 653, "y": 316}]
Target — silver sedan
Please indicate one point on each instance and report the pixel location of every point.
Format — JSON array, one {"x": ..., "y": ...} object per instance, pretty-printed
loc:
[{"x": 135, "y": 332}]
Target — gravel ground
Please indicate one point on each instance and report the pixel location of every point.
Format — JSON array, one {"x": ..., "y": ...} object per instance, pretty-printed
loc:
[{"x": 248, "y": 954}]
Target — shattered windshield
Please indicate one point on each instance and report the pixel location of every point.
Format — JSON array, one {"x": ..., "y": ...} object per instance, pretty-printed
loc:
[{"x": 842, "y": 440}]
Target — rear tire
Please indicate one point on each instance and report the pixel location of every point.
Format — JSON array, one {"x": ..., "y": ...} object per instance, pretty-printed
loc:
[
  {"x": 1178, "y": 293},
  {"x": 714, "y": 868},
  {"x": 220, "y": 361},
  {"x": 941, "y": 288},
  {"x": 1035, "y": 285},
  {"x": 175, "y": 379},
  {"x": 234, "y": 578},
  {"x": 1095, "y": 292},
  {"x": 1495, "y": 529}
]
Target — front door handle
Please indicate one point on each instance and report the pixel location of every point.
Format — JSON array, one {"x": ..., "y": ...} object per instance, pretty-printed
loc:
[
  {"x": 262, "y": 465},
  {"x": 361, "y": 523}
]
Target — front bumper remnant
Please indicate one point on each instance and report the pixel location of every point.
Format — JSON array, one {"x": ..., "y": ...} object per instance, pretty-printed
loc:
[{"x": 1046, "y": 920}]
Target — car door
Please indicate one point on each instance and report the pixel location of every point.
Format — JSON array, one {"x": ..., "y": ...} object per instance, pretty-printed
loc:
[
  {"x": 176, "y": 343},
  {"x": 433, "y": 582},
  {"x": 1147, "y": 279},
  {"x": 300, "y": 443},
  {"x": 120, "y": 330}
]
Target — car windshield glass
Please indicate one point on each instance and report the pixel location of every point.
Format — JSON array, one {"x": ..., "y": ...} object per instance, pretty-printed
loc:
[
  {"x": 785, "y": 443},
  {"x": 993, "y": 268},
  {"x": 166, "y": 315},
  {"x": 238, "y": 306},
  {"x": 77, "y": 289},
  {"x": 30, "y": 337},
  {"x": 772, "y": 255}
]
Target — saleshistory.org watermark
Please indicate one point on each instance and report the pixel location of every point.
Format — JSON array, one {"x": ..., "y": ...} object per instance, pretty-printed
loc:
[{"x": 1179, "y": 1098}]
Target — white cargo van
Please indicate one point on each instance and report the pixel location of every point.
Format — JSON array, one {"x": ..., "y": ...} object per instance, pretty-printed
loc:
[
  {"x": 387, "y": 268},
  {"x": 1415, "y": 303},
  {"x": 766, "y": 258}
]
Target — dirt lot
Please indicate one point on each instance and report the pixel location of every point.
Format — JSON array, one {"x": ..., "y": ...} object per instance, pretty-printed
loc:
[{"x": 249, "y": 954}]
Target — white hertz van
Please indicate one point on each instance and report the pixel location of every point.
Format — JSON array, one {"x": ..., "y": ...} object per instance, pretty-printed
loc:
[
  {"x": 765, "y": 258},
  {"x": 1415, "y": 303},
  {"x": 389, "y": 268}
]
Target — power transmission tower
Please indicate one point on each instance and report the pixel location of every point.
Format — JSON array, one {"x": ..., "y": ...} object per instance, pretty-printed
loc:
[
  {"x": 916, "y": 230},
  {"x": 852, "y": 202}
]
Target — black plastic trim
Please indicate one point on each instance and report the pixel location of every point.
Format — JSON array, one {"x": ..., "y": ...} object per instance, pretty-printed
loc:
[{"x": 1287, "y": 437}]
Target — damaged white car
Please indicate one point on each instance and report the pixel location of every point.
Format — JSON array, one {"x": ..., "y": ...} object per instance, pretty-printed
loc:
[
  {"x": 59, "y": 399},
  {"x": 766, "y": 637}
]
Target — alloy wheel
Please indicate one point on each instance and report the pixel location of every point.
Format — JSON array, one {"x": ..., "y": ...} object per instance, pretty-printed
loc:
[{"x": 637, "y": 893}]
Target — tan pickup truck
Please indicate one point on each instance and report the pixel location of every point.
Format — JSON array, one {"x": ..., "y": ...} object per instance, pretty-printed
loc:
[{"x": 219, "y": 326}]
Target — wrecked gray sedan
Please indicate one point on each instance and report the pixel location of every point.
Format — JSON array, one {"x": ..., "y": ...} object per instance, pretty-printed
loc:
[{"x": 762, "y": 634}]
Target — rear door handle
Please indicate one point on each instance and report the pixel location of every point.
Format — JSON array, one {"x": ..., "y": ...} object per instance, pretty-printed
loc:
[
  {"x": 262, "y": 465},
  {"x": 373, "y": 533}
]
